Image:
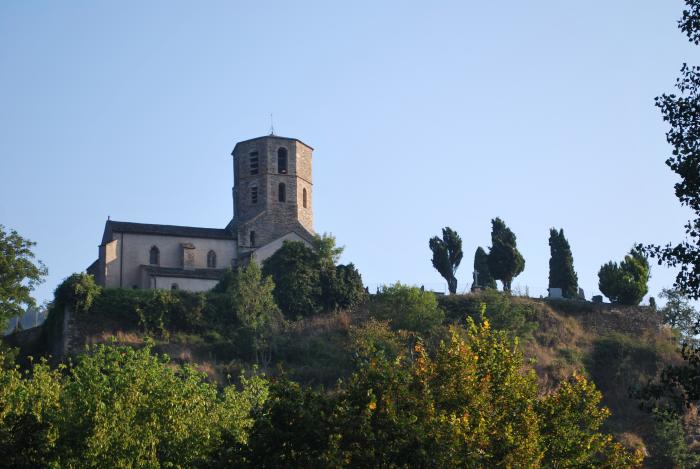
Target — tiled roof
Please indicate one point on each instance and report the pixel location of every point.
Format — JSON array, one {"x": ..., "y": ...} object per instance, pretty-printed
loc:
[
  {"x": 209, "y": 274},
  {"x": 163, "y": 230}
]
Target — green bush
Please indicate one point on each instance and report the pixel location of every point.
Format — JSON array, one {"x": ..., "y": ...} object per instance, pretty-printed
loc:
[
  {"x": 668, "y": 446},
  {"x": 408, "y": 308},
  {"x": 503, "y": 311},
  {"x": 307, "y": 281},
  {"x": 467, "y": 404},
  {"x": 625, "y": 283},
  {"x": 296, "y": 274},
  {"x": 78, "y": 292},
  {"x": 122, "y": 407}
]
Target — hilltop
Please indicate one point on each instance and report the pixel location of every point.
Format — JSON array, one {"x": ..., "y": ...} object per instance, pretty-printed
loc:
[{"x": 618, "y": 347}]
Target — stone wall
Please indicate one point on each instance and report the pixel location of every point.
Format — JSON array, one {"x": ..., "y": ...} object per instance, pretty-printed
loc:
[
  {"x": 136, "y": 252},
  {"x": 269, "y": 217}
]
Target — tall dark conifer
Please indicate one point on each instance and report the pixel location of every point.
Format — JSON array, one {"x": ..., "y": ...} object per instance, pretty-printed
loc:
[
  {"x": 447, "y": 254},
  {"x": 505, "y": 261},
  {"x": 561, "y": 265},
  {"x": 482, "y": 274}
]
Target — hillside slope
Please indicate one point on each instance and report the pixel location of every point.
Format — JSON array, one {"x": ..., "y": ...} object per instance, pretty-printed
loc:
[{"x": 618, "y": 347}]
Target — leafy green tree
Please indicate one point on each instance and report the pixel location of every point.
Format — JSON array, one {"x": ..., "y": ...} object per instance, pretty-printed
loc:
[
  {"x": 77, "y": 292},
  {"x": 625, "y": 283},
  {"x": 253, "y": 303},
  {"x": 679, "y": 314},
  {"x": 294, "y": 269},
  {"x": 682, "y": 113},
  {"x": 505, "y": 261},
  {"x": 308, "y": 281},
  {"x": 29, "y": 404},
  {"x": 482, "y": 274},
  {"x": 469, "y": 403},
  {"x": 19, "y": 275},
  {"x": 570, "y": 421},
  {"x": 447, "y": 255},
  {"x": 122, "y": 407},
  {"x": 561, "y": 265},
  {"x": 342, "y": 287},
  {"x": 668, "y": 445},
  {"x": 327, "y": 251},
  {"x": 408, "y": 308}
]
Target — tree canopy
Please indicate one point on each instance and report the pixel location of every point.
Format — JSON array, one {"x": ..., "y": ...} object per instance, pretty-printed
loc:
[
  {"x": 482, "y": 274},
  {"x": 625, "y": 283},
  {"x": 561, "y": 265},
  {"x": 308, "y": 281},
  {"x": 505, "y": 261},
  {"x": 447, "y": 255},
  {"x": 682, "y": 113},
  {"x": 19, "y": 274}
]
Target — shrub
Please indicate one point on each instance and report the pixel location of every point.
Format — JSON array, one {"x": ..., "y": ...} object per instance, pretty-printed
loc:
[
  {"x": 625, "y": 283},
  {"x": 295, "y": 272},
  {"x": 668, "y": 446},
  {"x": 408, "y": 308},
  {"x": 78, "y": 292},
  {"x": 342, "y": 287},
  {"x": 467, "y": 404},
  {"x": 308, "y": 282}
]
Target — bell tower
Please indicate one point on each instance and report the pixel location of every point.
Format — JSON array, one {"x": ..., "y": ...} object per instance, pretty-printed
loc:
[{"x": 272, "y": 192}]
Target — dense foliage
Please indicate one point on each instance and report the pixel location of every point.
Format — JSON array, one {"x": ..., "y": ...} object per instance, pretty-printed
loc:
[
  {"x": 121, "y": 407},
  {"x": 77, "y": 292},
  {"x": 251, "y": 300},
  {"x": 468, "y": 403},
  {"x": 19, "y": 274},
  {"x": 465, "y": 402},
  {"x": 308, "y": 281},
  {"x": 408, "y": 308},
  {"x": 561, "y": 265},
  {"x": 682, "y": 113},
  {"x": 505, "y": 261},
  {"x": 482, "y": 274},
  {"x": 447, "y": 255},
  {"x": 679, "y": 314},
  {"x": 625, "y": 283}
]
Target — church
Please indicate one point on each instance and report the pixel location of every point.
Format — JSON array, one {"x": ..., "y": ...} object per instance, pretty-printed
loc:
[{"x": 272, "y": 203}]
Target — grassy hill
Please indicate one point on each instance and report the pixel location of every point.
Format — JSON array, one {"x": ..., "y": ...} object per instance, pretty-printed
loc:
[{"x": 618, "y": 347}]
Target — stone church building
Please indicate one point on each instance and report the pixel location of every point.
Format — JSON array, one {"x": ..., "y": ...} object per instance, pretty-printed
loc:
[{"x": 272, "y": 202}]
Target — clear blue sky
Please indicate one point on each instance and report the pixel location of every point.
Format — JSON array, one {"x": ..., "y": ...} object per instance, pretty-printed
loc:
[{"x": 422, "y": 114}]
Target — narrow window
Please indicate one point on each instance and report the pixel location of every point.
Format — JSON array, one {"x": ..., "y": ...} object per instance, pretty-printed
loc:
[
  {"x": 282, "y": 160},
  {"x": 211, "y": 259},
  {"x": 254, "y": 195},
  {"x": 154, "y": 257},
  {"x": 282, "y": 192},
  {"x": 174, "y": 286},
  {"x": 252, "y": 239},
  {"x": 254, "y": 163},
  {"x": 303, "y": 197}
]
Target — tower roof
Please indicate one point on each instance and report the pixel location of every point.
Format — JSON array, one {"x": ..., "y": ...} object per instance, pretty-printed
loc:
[{"x": 270, "y": 137}]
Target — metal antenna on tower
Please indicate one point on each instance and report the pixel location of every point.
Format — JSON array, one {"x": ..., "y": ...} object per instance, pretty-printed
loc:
[{"x": 272, "y": 126}]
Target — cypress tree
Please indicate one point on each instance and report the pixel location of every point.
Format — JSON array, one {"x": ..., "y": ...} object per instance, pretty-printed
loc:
[
  {"x": 561, "y": 265},
  {"x": 505, "y": 261},
  {"x": 447, "y": 254},
  {"x": 483, "y": 277}
]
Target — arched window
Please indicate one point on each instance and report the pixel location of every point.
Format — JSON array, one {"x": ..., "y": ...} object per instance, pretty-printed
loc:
[
  {"x": 154, "y": 256},
  {"x": 254, "y": 194},
  {"x": 303, "y": 197},
  {"x": 252, "y": 239},
  {"x": 254, "y": 163},
  {"x": 211, "y": 259},
  {"x": 174, "y": 286},
  {"x": 282, "y": 193},
  {"x": 282, "y": 160}
]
